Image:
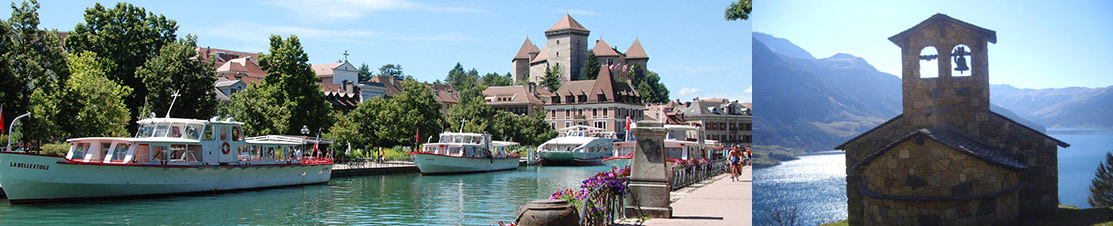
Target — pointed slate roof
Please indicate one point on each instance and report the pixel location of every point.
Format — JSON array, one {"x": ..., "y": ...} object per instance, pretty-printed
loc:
[
  {"x": 960, "y": 143},
  {"x": 603, "y": 50},
  {"x": 527, "y": 48},
  {"x": 636, "y": 51},
  {"x": 567, "y": 23},
  {"x": 991, "y": 36}
]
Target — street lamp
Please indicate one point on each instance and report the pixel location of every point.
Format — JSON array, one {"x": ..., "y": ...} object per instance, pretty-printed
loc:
[{"x": 305, "y": 130}]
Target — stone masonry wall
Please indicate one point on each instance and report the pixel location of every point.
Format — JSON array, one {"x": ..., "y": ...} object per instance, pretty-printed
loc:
[{"x": 935, "y": 170}]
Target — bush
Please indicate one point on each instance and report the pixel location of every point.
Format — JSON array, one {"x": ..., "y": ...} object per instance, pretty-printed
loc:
[{"x": 59, "y": 149}]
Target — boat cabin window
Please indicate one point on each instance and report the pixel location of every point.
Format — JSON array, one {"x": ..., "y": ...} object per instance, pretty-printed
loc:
[
  {"x": 192, "y": 131},
  {"x": 158, "y": 153},
  {"x": 161, "y": 130},
  {"x": 674, "y": 153},
  {"x": 120, "y": 151},
  {"x": 209, "y": 132},
  {"x": 224, "y": 133},
  {"x": 79, "y": 150},
  {"x": 236, "y": 134},
  {"x": 456, "y": 151},
  {"x": 145, "y": 131}
]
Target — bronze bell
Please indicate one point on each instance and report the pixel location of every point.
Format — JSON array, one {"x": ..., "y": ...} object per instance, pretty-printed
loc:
[{"x": 960, "y": 59}]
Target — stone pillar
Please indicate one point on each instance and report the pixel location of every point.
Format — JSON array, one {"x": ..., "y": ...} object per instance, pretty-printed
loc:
[{"x": 649, "y": 188}]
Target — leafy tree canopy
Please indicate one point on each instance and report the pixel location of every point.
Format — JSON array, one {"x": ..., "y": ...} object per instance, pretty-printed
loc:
[
  {"x": 394, "y": 70},
  {"x": 1101, "y": 188},
  {"x": 292, "y": 83},
  {"x": 739, "y": 10},
  {"x": 31, "y": 61},
  {"x": 494, "y": 79},
  {"x": 552, "y": 78},
  {"x": 591, "y": 67},
  {"x": 173, "y": 70},
  {"x": 365, "y": 73}
]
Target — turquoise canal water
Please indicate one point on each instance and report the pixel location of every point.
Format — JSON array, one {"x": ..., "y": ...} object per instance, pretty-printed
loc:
[
  {"x": 816, "y": 184},
  {"x": 401, "y": 199}
]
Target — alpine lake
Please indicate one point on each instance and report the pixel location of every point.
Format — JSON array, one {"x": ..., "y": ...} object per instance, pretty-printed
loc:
[{"x": 398, "y": 199}]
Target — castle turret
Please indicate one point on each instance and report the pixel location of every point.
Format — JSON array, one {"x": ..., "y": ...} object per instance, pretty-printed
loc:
[
  {"x": 636, "y": 55},
  {"x": 567, "y": 47},
  {"x": 521, "y": 60}
]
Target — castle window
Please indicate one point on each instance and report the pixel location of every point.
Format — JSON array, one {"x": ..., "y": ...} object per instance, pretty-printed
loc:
[
  {"x": 929, "y": 62},
  {"x": 960, "y": 58},
  {"x": 610, "y": 61}
]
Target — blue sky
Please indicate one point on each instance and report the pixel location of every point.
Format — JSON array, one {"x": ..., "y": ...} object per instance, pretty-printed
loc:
[
  {"x": 696, "y": 51},
  {"x": 1040, "y": 44}
]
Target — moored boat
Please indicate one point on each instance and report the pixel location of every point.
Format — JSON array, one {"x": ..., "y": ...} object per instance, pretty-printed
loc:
[
  {"x": 167, "y": 156},
  {"x": 577, "y": 145},
  {"x": 681, "y": 143},
  {"x": 459, "y": 153}
]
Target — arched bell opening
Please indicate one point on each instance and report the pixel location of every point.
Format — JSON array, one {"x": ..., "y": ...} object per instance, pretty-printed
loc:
[
  {"x": 929, "y": 64},
  {"x": 961, "y": 56}
]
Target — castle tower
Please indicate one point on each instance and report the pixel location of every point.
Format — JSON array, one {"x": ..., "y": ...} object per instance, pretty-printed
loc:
[
  {"x": 952, "y": 97},
  {"x": 606, "y": 54},
  {"x": 567, "y": 47},
  {"x": 520, "y": 63},
  {"x": 636, "y": 55}
]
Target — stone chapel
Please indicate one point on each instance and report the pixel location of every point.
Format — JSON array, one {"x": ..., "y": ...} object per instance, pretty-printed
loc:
[{"x": 947, "y": 159}]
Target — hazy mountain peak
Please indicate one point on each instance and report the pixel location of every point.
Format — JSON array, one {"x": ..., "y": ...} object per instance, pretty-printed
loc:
[
  {"x": 846, "y": 60},
  {"x": 782, "y": 46}
]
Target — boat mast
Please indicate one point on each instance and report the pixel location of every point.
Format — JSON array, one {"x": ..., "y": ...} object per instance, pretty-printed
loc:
[
  {"x": 462, "y": 121},
  {"x": 175, "y": 95}
]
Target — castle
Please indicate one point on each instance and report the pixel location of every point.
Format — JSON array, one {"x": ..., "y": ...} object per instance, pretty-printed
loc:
[
  {"x": 947, "y": 159},
  {"x": 566, "y": 48}
]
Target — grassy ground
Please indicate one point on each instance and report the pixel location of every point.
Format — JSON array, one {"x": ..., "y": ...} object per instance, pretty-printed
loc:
[
  {"x": 768, "y": 156},
  {"x": 1065, "y": 216}
]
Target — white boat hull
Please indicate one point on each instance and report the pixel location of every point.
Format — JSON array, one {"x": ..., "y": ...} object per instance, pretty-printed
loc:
[
  {"x": 429, "y": 163},
  {"x": 572, "y": 158},
  {"x": 31, "y": 178}
]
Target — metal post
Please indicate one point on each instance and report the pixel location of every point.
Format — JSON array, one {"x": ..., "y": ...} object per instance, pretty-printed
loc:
[{"x": 9, "y": 147}]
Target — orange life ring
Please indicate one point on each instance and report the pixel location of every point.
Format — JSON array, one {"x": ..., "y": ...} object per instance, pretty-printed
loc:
[{"x": 225, "y": 148}]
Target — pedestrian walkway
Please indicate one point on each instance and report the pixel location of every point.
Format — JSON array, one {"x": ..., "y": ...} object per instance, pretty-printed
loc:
[{"x": 717, "y": 201}]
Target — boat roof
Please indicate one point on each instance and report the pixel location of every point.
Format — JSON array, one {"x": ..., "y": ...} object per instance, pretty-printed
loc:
[
  {"x": 134, "y": 139},
  {"x": 572, "y": 140},
  {"x": 579, "y": 127},
  {"x": 503, "y": 143},
  {"x": 461, "y": 134},
  {"x": 680, "y": 127},
  {"x": 215, "y": 120},
  {"x": 287, "y": 139}
]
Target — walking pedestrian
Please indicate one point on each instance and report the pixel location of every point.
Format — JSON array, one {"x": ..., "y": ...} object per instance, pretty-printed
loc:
[{"x": 735, "y": 161}]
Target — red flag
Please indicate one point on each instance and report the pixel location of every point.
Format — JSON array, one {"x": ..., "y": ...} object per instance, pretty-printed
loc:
[
  {"x": 418, "y": 138},
  {"x": 2, "y": 130}
]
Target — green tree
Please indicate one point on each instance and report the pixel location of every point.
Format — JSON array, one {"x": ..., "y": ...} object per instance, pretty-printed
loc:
[
  {"x": 652, "y": 90},
  {"x": 173, "y": 70},
  {"x": 260, "y": 113},
  {"x": 128, "y": 36},
  {"x": 356, "y": 127},
  {"x": 91, "y": 105},
  {"x": 398, "y": 121},
  {"x": 392, "y": 70},
  {"x": 534, "y": 130},
  {"x": 292, "y": 82},
  {"x": 739, "y": 10},
  {"x": 591, "y": 67},
  {"x": 1101, "y": 188},
  {"x": 552, "y": 78},
  {"x": 31, "y": 60},
  {"x": 365, "y": 73},
  {"x": 456, "y": 76},
  {"x": 494, "y": 79}
]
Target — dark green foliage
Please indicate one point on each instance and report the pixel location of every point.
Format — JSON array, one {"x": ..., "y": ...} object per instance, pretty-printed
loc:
[
  {"x": 552, "y": 78},
  {"x": 88, "y": 104},
  {"x": 31, "y": 60},
  {"x": 260, "y": 113},
  {"x": 494, "y": 79},
  {"x": 457, "y": 77},
  {"x": 649, "y": 85},
  {"x": 739, "y": 10},
  {"x": 591, "y": 67},
  {"x": 365, "y": 73},
  {"x": 128, "y": 36},
  {"x": 1101, "y": 188},
  {"x": 293, "y": 83},
  {"x": 394, "y": 70},
  {"x": 173, "y": 70},
  {"x": 398, "y": 121}
]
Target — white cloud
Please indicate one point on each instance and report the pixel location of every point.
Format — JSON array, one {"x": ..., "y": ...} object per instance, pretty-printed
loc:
[
  {"x": 353, "y": 9},
  {"x": 688, "y": 91},
  {"x": 749, "y": 90}
]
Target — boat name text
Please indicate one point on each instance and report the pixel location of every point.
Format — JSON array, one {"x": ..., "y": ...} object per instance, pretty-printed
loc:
[{"x": 30, "y": 166}]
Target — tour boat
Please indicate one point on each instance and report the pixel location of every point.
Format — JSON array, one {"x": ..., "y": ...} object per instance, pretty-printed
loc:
[
  {"x": 680, "y": 143},
  {"x": 458, "y": 153},
  {"x": 577, "y": 145},
  {"x": 166, "y": 156}
]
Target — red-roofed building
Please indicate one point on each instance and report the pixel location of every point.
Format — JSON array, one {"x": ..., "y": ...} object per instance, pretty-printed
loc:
[
  {"x": 603, "y": 103},
  {"x": 566, "y": 46}
]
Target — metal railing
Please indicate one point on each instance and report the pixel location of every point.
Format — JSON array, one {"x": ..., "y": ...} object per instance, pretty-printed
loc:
[
  {"x": 603, "y": 206},
  {"x": 682, "y": 176}
]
